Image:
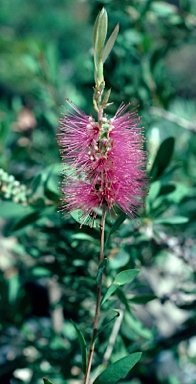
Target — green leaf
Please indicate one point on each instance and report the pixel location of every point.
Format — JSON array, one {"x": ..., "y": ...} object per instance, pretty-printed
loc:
[
  {"x": 163, "y": 9},
  {"x": 142, "y": 299},
  {"x": 126, "y": 276},
  {"x": 51, "y": 185},
  {"x": 112, "y": 319},
  {"x": 120, "y": 259},
  {"x": 47, "y": 180},
  {"x": 40, "y": 272},
  {"x": 162, "y": 158},
  {"x": 46, "y": 381},
  {"x": 106, "y": 97},
  {"x": 52, "y": 62},
  {"x": 115, "y": 226},
  {"x": 154, "y": 190},
  {"x": 83, "y": 236},
  {"x": 118, "y": 370},
  {"x": 171, "y": 220},
  {"x": 83, "y": 347},
  {"x": 101, "y": 269},
  {"x": 153, "y": 193},
  {"x": 9, "y": 210},
  {"x": 37, "y": 181},
  {"x": 78, "y": 217},
  {"x": 110, "y": 43},
  {"x": 14, "y": 287},
  {"x": 121, "y": 279},
  {"x": 100, "y": 15},
  {"x": 132, "y": 327},
  {"x": 100, "y": 32},
  {"x": 122, "y": 297},
  {"x": 109, "y": 292},
  {"x": 26, "y": 220}
]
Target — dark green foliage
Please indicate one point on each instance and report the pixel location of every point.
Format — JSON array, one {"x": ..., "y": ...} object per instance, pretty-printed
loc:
[{"x": 48, "y": 264}]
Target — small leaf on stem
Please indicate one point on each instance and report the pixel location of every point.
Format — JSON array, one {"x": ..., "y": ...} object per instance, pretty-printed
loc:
[
  {"x": 115, "y": 226},
  {"x": 101, "y": 269}
]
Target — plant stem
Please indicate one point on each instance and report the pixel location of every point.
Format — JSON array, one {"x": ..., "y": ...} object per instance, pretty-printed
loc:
[
  {"x": 98, "y": 300},
  {"x": 100, "y": 114}
]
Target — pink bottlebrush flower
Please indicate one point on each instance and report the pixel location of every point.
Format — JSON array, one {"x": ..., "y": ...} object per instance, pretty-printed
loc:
[{"x": 105, "y": 162}]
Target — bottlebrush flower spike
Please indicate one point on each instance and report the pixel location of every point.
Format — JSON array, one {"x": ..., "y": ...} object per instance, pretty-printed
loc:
[{"x": 105, "y": 162}]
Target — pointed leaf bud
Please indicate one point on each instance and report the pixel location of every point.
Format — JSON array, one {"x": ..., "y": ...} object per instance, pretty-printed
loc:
[
  {"x": 46, "y": 381},
  {"x": 106, "y": 98},
  {"x": 100, "y": 32}
]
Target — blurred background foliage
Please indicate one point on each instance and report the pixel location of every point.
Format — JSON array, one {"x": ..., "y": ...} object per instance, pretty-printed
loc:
[{"x": 47, "y": 263}]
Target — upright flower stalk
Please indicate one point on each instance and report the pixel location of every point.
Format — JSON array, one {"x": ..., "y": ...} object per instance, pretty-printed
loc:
[
  {"x": 98, "y": 300},
  {"x": 104, "y": 159}
]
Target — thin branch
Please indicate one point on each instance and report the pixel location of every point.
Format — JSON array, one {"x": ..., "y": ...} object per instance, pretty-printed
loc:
[{"x": 173, "y": 118}]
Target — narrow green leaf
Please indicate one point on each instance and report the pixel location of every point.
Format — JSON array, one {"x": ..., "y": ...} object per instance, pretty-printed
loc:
[
  {"x": 133, "y": 327},
  {"x": 115, "y": 226},
  {"x": 112, "y": 319},
  {"x": 143, "y": 299},
  {"x": 122, "y": 297},
  {"x": 46, "y": 381},
  {"x": 51, "y": 185},
  {"x": 26, "y": 220},
  {"x": 153, "y": 193},
  {"x": 52, "y": 62},
  {"x": 120, "y": 259},
  {"x": 9, "y": 210},
  {"x": 171, "y": 220},
  {"x": 95, "y": 29},
  {"x": 100, "y": 32},
  {"x": 126, "y": 276},
  {"x": 162, "y": 158},
  {"x": 97, "y": 25},
  {"x": 83, "y": 347},
  {"x": 37, "y": 181},
  {"x": 78, "y": 217},
  {"x": 110, "y": 43},
  {"x": 163, "y": 9},
  {"x": 106, "y": 97},
  {"x": 83, "y": 236},
  {"x": 101, "y": 269},
  {"x": 118, "y": 370},
  {"x": 154, "y": 190},
  {"x": 109, "y": 292},
  {"x": 40, "y": 271},
  {"x": 121, "y": 279}
]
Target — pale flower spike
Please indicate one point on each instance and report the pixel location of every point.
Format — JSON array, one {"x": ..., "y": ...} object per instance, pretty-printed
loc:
[{"x": 106, "y": 162}]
